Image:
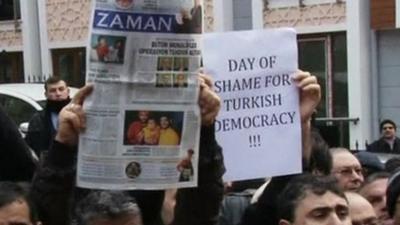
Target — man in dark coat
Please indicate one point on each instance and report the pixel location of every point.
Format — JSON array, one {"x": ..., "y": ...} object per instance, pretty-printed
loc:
[
  {"x": 43, "y": 125},
  {"x": 388, "y": 143}
]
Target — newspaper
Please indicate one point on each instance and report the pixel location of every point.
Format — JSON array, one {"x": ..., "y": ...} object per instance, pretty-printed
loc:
[{"x": 143, "y": 121}]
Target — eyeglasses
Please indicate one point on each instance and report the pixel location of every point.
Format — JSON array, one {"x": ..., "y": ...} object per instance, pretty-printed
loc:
[{"x": 348, "y": 171}]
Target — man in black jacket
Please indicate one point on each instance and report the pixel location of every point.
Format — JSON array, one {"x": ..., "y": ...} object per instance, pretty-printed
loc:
[
  {"x": 388, "y": 143},
  {"x": 43, "y": 125}
]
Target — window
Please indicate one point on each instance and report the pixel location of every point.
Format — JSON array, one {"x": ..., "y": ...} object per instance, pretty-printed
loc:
[
  {"x": 11, "y": 67},
  {"x": 70, "y": 65},
  {"x": 19, "y": 110},
  {"x": 326, "y": 57},
  {"x": 9, "y": 10}
]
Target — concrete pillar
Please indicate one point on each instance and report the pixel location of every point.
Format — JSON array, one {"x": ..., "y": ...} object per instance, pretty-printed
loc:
[
  {"x": 359, "y": 70},
  {"x": 257, "y": 8},
  {"x": 30, "y": 39},
  {"x": 223, "y": 15},
  {"x": 397, "y": 14},
  {"x": 47, "y": 66}
]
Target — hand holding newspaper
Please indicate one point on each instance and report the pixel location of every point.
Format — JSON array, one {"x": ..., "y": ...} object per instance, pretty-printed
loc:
[{"x": 143, "y": 117}]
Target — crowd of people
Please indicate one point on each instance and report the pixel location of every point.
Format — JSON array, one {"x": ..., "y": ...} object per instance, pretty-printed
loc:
[{"x": 335, "y": 187}]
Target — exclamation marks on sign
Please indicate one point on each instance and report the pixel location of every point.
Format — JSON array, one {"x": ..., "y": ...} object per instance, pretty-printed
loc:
[{"x": 255, "y": 141}]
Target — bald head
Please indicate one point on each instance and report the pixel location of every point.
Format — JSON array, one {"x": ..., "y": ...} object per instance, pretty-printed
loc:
[
  {"x": 347, "y": 169},
  {"x": 361, "y": 211}
]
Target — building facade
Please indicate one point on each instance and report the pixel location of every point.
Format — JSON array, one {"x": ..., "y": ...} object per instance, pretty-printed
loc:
[
  {"x": 350, "y": 45},
  {"x": 353, "y": 47}
]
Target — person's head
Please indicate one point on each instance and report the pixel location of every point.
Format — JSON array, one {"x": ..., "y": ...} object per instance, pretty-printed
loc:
[
  {"x": 393, "y": 197},
  {"x": 347, "y": 169},
  {"x": 197, "y": 2},
  {"x": 56, "y": 89},
  {"x": 16, "y": 206},
  {"x": 361, "y": 211},
  {"x": 102, "y": 41},
  {"x": 388, "y": 129},
  {"x": 165, "y": 122},
  {"x": 151, "y": 123},
  {"x": 118, "y": 44},
  {"x": 320, "y": 158},
  {"x": 144, "y": 116},
  {"x": 166, "y": 63},
  {"x": 374, "y": 190},
  {"x": 180, "y": 80},
  {"x": 108, "y": 208},
  {"x": 310, "y": 199}
]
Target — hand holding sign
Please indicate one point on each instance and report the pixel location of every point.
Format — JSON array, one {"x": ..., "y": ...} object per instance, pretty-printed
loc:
[{"x": 310, "y": 94}]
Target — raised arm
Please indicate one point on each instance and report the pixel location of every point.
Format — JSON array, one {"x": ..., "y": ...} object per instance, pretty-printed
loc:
[
  {"x": 53, "y": 184},
  {"x": 310, "y": 95},
  {"x": 200, "y": 206}
]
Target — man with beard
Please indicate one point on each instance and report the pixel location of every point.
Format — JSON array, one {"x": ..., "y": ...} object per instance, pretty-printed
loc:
[{"x": 43, "y": 125}]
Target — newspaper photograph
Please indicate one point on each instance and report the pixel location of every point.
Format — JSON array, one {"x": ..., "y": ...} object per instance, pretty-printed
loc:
[{"x": 143, "y": 120}]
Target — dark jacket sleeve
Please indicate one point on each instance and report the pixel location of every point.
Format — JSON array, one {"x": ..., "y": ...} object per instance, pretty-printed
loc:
[
  {"x": 373, "y": 147},
  {"x": 53, "y": 185},
  {"x": 200, "y": 206},
  {"x": 36, "y": 132},
  {"x": 265, "y": 210},
  {"x": 16, "y": 161}
]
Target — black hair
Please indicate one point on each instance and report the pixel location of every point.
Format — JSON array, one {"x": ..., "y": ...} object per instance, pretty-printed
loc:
[
  {"x": 298, "y": 189},
  {"x": 52, "y": 80},
  {"x": 105, "y": 205},
  {"x": 153, "y": 118},
  {"x": 320, "y": 158},
  {"x": 374, "y": 177},
  {"x": 11, "y": 192},
  {"x": 386, "y": 121}
]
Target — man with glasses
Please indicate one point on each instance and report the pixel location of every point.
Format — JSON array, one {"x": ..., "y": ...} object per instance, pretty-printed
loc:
[
  {"x": 347, "y": 169},
  {"x": 388, "y": 143}
]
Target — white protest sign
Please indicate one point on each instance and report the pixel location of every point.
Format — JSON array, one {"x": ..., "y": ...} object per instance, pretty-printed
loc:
[{"x": 259, "y": 122}]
